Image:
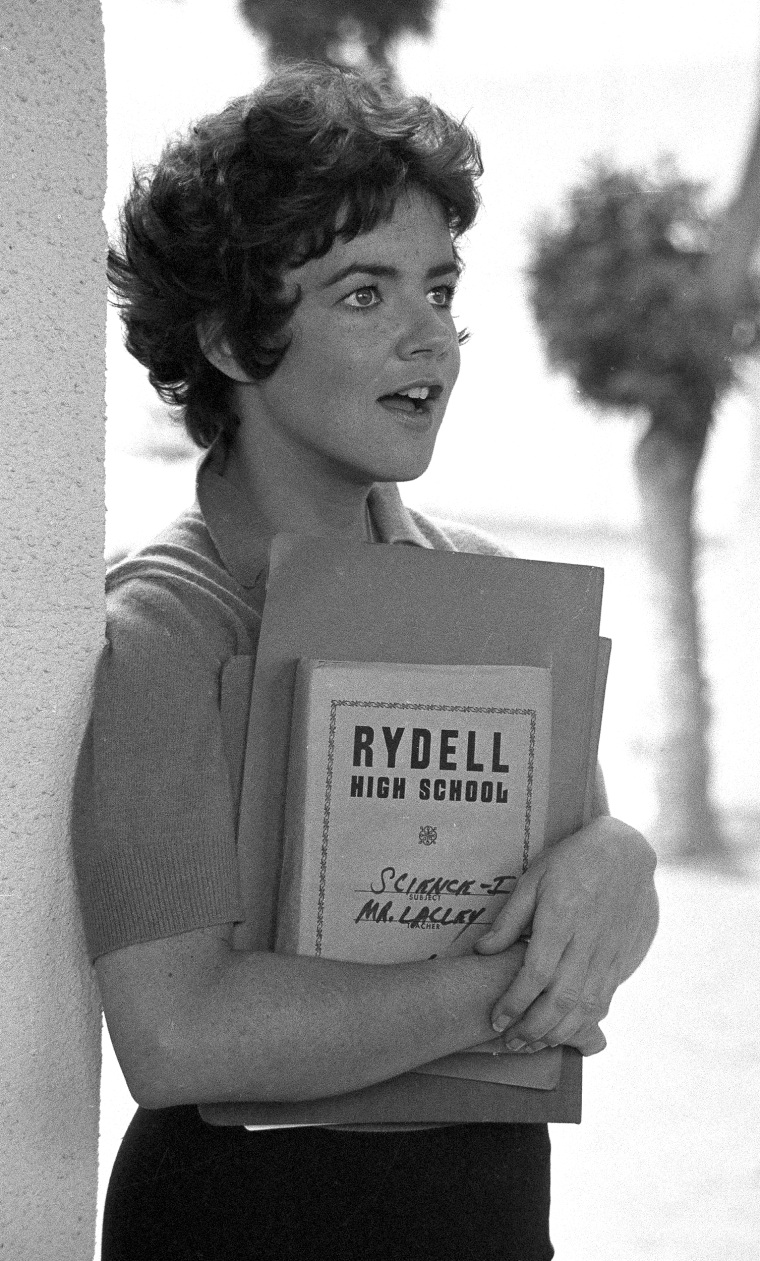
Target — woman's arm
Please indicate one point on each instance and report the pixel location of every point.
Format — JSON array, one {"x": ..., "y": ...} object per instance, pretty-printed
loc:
[{"x": 193, "y": 1021}]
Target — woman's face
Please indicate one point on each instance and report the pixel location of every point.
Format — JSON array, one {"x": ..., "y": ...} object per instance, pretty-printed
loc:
[{"x": 374, "y": 355}]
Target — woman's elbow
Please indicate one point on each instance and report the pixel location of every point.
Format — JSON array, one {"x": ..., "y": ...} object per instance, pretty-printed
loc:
[
  {"x": 155, "y": 1067},
  {"x": 150, "y": 1083}
]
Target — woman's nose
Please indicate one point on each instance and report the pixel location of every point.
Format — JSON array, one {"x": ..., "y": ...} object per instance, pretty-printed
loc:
[{"x": 426, "y": 330}]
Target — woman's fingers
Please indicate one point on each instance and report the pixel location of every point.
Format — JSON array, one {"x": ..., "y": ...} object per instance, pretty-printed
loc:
[
  {"x": 550, "y": 939},
  {"x": 513, "y": 919},
  {"x": 555, "y": 986},
  {"x": 589, "y": 1040},
  {"x": 574, "y": 1027},
  {"x": 582, "y": 994}
]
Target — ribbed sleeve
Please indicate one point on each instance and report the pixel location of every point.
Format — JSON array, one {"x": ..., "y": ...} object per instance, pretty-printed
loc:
[{"x": 149, "y": 893}]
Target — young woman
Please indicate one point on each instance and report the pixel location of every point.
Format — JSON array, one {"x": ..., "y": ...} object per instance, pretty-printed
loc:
[{"x": 286, "y": 274}]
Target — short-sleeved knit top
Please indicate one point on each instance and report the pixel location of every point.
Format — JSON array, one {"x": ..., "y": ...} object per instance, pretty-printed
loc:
[{"x": 154, "y": 802}]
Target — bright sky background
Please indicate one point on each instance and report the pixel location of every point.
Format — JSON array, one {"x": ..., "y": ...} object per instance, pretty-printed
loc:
[{"x": 544, "y": 87}]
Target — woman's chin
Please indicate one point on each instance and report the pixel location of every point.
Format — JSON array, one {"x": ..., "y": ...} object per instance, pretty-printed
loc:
[
  {"x": 402, "y": 470},
  {"x": 409, "y": 457}
]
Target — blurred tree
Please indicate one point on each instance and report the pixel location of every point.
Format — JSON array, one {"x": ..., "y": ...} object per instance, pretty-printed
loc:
[
  {"x": 343, "y": 32},
  {"x": 646, "y": 300}
]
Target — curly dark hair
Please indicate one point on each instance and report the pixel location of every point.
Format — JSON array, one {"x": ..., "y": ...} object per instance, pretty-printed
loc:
[{"x": 266, "y": 184}]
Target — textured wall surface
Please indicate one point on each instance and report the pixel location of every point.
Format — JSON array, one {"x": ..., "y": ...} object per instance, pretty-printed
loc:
[{"x": 52, "y": 330}]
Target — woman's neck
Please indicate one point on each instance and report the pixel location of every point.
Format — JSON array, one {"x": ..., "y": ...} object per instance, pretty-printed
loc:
[{"x": 286, "y": 492}]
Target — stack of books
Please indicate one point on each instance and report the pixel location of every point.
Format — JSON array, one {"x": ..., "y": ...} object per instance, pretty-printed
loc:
[{"x": 421, "y": 725}]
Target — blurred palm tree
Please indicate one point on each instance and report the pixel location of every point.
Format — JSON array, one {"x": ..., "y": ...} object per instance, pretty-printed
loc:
[
  {"x": 343, "y": 32},
  {"x": 647, "y": 300}
]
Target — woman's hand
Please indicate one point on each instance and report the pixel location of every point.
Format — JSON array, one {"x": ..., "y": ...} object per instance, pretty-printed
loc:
[{"x": 590, "y": 906}]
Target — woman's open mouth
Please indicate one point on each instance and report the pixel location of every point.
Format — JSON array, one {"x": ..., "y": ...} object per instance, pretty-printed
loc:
[{"x": 415, "y": 400}]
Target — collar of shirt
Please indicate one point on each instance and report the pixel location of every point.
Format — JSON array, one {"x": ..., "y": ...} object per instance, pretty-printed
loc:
[{"x": 239, "y": 535}]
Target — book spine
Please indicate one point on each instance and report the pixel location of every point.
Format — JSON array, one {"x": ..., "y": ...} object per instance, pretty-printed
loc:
[
  {"x": 602, "y": 667},
  {"x": 290, "y": 894}
]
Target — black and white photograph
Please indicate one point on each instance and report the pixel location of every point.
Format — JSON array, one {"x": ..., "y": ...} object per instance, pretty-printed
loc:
[{"x": 379, "y": 572}]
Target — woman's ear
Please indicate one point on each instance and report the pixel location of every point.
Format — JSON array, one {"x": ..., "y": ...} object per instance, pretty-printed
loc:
[{"x": 216, "y": 348}]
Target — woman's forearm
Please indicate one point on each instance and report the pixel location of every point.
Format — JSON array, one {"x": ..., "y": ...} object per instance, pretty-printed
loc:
[{"x": 216, "y": 1025}]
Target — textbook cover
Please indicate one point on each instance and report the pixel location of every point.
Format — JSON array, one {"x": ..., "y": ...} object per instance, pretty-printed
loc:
[{"x": 416, "y": 797}]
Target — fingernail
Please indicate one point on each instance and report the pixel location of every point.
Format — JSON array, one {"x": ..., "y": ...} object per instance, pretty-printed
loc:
[
  {"x": 516, "y": 1044},
  {"x": 485, "y": 940},
  {"x": 502, "y": 1022}
]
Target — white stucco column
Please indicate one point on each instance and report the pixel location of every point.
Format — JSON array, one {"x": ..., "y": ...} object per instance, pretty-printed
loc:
[{"x": 52, "y": 357}]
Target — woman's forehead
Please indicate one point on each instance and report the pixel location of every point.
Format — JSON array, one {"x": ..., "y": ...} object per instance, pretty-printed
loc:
[{"x": 415, "y": 233}]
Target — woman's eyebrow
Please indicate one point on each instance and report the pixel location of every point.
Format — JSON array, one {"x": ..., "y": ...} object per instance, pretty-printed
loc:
[{"x": 382, "y": 269}]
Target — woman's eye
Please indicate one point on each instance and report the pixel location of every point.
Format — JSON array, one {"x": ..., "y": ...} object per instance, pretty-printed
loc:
[
  {"x": 365, "y": 297},
  {"x": 442, "y": 295}
]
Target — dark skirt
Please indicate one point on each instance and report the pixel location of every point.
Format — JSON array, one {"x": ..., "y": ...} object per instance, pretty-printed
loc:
[{"x": 182, "y": 1190}]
